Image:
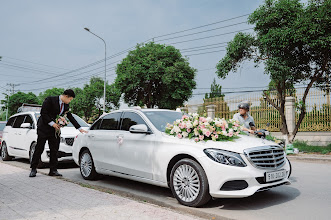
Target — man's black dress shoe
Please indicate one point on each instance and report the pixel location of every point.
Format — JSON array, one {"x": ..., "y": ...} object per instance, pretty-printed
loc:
[
  {"x": 33, "y": 173},
  {"x": 54, "y": 173}
]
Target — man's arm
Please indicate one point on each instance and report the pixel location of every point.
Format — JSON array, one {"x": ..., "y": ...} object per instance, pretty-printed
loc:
[{"x": 73, "y": 120}]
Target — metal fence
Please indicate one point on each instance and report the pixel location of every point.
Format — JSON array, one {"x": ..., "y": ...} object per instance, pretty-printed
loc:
[{"x": 318, "y": 116}]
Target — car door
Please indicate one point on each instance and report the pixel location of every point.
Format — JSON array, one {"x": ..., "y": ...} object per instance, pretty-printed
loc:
[
  {"x": 28, "y": 135},
  {"x": 17, "y": 139},
  {"x": 101, "y": 138},
  {"x": 9, "y": 136},
  {"x": 134, "y": 151}
]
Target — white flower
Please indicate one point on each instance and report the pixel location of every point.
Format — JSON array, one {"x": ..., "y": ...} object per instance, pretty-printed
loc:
[
  {"x": 185, "y": 134},
  {"x": 195, "y": 123}
]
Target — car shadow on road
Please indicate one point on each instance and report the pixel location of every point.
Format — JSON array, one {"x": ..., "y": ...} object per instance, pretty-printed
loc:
[{"x": 260, "y": 200}]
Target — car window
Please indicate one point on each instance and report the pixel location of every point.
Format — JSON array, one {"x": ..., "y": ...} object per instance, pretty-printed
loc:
[
  {"x": 110, "y": 121},
  {"x": 129, "y": 119},
  {"x": 80, "y": 121},
  {"x": 11, "y": 121},
  {"x": 28, "y": 119},
  {"x": 19, "y": 120},
  {"x": 96, "y": 125},
  {"x": 160, "y": 119},
  {"x": 2, "y": 126}
]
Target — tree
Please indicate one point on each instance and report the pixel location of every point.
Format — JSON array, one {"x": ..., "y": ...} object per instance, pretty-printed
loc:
[
  {"x": 88, "y": 100},
  {"x": 16, "y": 100},
  {"x": 215, "y": 91},
  {"x": 293, "y": 41},
  {"x": 49, "y": 92},
  {"x": 155, "y": 75}
]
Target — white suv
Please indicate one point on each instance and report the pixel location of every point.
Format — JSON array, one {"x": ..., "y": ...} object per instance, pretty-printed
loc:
[{"x": 20, "y": 138}]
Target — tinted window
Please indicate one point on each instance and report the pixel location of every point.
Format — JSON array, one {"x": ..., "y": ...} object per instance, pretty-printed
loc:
[
  {"x": 160, "y": 119},
  {"x": 111, "y": 121},
  {"x": 11, "y": 121},
  {"x": 130, "y": 119},
  {"x": 19, "y": 121},
  {"x": 28, "y": 119},
  {"x": 96, "y": 125}
]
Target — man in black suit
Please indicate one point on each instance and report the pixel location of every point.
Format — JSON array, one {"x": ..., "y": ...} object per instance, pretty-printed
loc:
[{"x": 51, "y": 108}]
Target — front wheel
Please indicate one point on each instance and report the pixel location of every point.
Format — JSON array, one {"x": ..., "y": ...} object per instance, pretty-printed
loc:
[
  {"x": 86, "y": 166},
  {"x": 290, "y": 172},
  {"x": 4, "y": 153},
  {"x": 189, "y": 183}
]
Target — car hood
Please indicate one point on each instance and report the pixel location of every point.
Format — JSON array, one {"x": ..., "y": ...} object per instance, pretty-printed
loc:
[
  {"x": 237, "y": 145},
  {"x": 70, "y": 131}
]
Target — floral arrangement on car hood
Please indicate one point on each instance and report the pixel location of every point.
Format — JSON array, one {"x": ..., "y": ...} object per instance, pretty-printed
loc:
[{"x": 203, "y": 129}]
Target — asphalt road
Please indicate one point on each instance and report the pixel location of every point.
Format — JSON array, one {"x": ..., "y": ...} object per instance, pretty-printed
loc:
[{"x": 309, "y": 196}]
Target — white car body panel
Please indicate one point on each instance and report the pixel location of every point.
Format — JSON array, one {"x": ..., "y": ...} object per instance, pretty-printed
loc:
[{"x": 134, "y": 159}]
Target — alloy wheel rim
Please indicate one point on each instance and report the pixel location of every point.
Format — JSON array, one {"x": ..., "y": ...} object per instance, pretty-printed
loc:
[
  {"x": 186, "y": 183},
  {"x": 86, "y": 164}
]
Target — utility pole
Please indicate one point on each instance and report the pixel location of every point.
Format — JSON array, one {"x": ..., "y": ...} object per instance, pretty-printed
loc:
[{"x": 13, "y": 87}]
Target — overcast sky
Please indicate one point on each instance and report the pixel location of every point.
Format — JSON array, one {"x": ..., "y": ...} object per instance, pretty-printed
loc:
[{"x": 51, "y": 33}]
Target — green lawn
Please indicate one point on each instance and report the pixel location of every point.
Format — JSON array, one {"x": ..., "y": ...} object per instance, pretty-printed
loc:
[{"x": 306, "y": 148}]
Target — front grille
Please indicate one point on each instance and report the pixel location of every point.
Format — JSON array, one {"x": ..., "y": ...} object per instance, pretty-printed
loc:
[
  {"x": 69, "y": 141},
  {"x": 266, "y": 157}
]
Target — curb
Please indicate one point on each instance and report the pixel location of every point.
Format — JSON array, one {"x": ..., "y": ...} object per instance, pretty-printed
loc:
[{"x": 310, "y": 158}]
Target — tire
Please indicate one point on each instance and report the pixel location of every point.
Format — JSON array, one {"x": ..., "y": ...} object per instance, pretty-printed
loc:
[
  {"x": 32, "y": 150},
  {"x": 189, "y": 183},
  {"x": 290, "y": 168},
  {"x": 4, "y": 152},
  {"x": 86, "y": 166}
]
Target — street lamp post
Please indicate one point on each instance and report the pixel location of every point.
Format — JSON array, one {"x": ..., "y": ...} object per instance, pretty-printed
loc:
[{"x": 104, "y": 89}]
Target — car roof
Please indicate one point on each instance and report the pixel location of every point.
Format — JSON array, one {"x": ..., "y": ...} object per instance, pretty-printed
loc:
[{"x": 24, "y": 113}]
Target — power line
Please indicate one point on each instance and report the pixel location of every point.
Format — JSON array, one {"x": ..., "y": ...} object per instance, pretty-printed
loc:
[
  {"x": 200, "y": 32},
  {"x": 216, "y": 51},
  {"x": 202, "y": 26},
  {"x": 33, "y": 62},
  {"x": 209, "y": 48},
  {"x": 204, "y": 46},
  {"x": 201, "y": 38}
]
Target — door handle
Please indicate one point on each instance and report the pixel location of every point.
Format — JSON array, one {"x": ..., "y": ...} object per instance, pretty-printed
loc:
[
  {"x": 90, "y": 136},
  {"x": 120, "y": 136}
]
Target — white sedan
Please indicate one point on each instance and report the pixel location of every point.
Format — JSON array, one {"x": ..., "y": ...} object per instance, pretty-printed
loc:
[{"x": 132, "y": 144}]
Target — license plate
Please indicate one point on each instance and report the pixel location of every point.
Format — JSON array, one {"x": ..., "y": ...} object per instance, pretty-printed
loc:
[{"x": 276, "y": 175}]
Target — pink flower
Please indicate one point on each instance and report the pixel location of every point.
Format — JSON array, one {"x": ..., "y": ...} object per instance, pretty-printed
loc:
[
  {"x": 230, "y": 134},
  {"x": 207, "y": 133},
  {"x": 216, "y": 136},
  {"x": 196, "y": 139},
  {"x": 201, "y": 137},
  {"x": 188, "y": 130},
  {"x": 180, "y": 136},
  {"x": 184, "y": 117}
]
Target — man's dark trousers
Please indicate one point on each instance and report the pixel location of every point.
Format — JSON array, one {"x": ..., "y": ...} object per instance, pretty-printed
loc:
[{"x": 54, "y": 144}]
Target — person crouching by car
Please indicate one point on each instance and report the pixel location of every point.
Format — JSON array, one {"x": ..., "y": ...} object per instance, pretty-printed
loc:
[{"x": 245, "y": 118}]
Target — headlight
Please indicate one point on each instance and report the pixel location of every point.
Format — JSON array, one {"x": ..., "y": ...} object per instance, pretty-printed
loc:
[{"x": 225, "y": 157}]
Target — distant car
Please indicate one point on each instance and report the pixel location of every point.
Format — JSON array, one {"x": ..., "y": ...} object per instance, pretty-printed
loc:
[
  {"x": 20, "y": 138},
  {"x": 132, "y": 144},
  {"x": 2, "y": 126}
]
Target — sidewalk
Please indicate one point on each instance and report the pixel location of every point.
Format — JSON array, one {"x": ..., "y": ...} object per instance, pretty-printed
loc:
[{"x": 45, "y": 197}]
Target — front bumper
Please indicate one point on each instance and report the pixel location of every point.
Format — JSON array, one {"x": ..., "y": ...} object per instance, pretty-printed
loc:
[
  {"x": 220, "y": 176},
  {"x": 64, "y": 153}
]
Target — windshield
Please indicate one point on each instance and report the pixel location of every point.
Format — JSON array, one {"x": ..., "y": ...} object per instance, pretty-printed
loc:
[
  {"x": 2, "y": 126},
  {"x": 160, "y": 119},
  {"x": 80, "y": 121}
]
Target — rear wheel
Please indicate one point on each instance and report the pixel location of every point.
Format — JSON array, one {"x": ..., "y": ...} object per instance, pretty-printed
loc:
[
  {"x": 189, "y": 183},
  {"x": 86, "y": 166},
  {"x": 4, "y": 152}
]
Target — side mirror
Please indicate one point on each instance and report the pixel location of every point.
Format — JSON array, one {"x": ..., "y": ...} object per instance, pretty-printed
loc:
[
  {"x": 142, "y": 129},
  {"x": 26, "y": 125}
]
